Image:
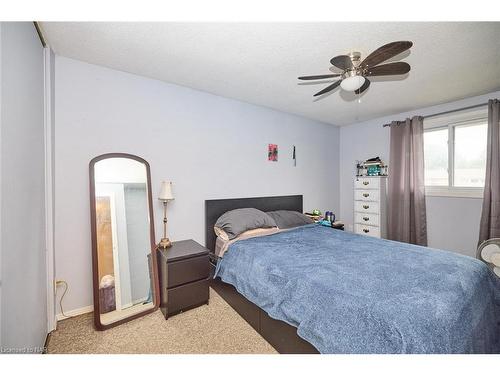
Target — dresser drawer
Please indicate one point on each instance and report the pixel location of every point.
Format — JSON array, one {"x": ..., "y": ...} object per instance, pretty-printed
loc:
[
  {"x": 366, "y": 218},
  {"x": 367, "y": 195},
  {"x": 187, "y": 296},
  {"x": 367, "y": 230},
  {"x": 367, "y": 183},
  {"x": 371, "y": 207},
  {"x": 187, "y": 270}
]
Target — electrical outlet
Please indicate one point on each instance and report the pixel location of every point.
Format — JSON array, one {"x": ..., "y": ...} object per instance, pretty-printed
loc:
[{"x": 58, "y": 283}]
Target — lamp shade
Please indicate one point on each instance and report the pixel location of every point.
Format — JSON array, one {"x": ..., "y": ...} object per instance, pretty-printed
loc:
[
  {"x": 166, "y": 191},
  {"x": 352, "y": 83}
]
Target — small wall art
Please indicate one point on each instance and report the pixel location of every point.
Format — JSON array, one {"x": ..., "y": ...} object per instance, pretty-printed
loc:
[{"x": 272, "y": 154}]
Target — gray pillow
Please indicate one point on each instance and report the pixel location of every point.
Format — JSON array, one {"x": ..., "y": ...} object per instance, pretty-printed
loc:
[
  {"x": 238, "y": 221},
  {"x": 289, "y": 219}
]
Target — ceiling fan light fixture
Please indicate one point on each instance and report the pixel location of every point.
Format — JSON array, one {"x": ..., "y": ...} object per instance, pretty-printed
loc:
[
  {"x": 352, "y": 83},
  {"x": 353, "y": 71}
]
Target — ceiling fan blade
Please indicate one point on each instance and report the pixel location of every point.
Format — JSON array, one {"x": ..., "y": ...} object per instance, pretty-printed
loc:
[
  {"x": 328, "y": 88},
  {"x": 388, "y": 69},
  {"x": 319, "y": 77},
  {"x": 385, "y": 52},
  {"x": 364, "y": 87},
  {"x": 342, "y": 62}
]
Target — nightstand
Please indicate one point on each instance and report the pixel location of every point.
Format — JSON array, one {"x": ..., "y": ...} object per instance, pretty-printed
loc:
[
  {"x": 184, "y": 277},
  {"x": 338, "y": 226}
]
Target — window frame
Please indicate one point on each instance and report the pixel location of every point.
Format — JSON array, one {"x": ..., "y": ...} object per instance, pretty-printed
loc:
[{"x": 450, "y": 121}]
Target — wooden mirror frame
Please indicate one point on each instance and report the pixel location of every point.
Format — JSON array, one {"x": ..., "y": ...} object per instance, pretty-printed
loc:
[{"x": 95, "y": 272}]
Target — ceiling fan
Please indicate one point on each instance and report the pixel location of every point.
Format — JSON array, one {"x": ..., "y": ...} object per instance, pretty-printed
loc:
[{"x": 355, "y": 72}]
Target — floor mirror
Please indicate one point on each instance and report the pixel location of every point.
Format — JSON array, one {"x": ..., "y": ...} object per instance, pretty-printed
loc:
[{"x": 125, "y": 276}]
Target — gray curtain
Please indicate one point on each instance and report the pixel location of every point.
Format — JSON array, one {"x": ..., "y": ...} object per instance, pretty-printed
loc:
[
  {"x": 406, "y": 217},
  {"x": 490, "y": 217}
]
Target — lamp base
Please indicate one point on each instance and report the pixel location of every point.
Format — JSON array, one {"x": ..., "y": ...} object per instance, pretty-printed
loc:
[{"x": 165, "y": 243}]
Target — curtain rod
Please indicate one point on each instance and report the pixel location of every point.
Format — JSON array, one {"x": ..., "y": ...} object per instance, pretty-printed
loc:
[{"x": 450, "y": 111}]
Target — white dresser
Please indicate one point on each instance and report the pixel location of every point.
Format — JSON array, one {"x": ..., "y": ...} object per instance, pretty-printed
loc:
[{"x": 370, "y": 206}]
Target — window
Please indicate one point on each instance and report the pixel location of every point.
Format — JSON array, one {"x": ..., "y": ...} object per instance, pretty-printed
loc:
[
  {"x": 455, "y": 153},
  {"x": 436, "y": 157},
  {"x": 470, "y": 154}
]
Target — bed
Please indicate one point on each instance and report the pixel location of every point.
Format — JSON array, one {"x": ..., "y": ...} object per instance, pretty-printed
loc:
[{"x": 314, "y": 289}]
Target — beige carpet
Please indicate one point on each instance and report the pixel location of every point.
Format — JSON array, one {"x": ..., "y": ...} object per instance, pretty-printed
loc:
[{"x": 213, "y": 328}]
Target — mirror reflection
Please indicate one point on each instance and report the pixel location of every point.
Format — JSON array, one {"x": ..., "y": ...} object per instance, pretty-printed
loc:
[{"x": 122, "y": 238}]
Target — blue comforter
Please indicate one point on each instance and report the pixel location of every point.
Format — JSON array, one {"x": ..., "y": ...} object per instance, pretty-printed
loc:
[{"x": 348, "y": 293}]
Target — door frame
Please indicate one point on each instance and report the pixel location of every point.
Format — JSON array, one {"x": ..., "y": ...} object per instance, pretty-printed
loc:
[{"x": 49, "y": 131}]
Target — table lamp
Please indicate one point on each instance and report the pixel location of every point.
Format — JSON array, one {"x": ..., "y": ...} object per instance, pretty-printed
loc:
[{"x": 165, "y": 196}]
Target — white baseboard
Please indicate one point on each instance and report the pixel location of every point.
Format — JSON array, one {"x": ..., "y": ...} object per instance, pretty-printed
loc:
[
  {"x": 75, "y": 312},
  {"x": 85, "y": 310}
]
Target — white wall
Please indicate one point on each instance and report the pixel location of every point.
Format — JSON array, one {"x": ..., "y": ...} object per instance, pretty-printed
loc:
[
  {"x": 452, "y": 223},
  {"x": 23, "y": 273},
  {"x": 209, "y": 146}
]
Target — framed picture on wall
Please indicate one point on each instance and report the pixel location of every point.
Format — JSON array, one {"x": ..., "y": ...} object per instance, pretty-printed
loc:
[{"x": 272, "y": 154}]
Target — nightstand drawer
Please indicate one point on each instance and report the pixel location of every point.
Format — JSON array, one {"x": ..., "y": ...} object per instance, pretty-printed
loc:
[
  {"x": 187, "y": 296},
  {"x": 367, "y": 230},
  {"x": 366, "y": 195},
  {"x": 187, "y": 270},
  {"x": 367, "y": 183},
  {"x": 372, "y": 207},
  {"x": 366, "y": 218}
]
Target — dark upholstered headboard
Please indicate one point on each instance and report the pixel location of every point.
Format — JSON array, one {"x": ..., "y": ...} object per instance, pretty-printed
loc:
[{"x": 214, "y": 208}]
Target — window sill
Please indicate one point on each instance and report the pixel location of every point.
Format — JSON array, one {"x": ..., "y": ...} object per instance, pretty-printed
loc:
[{"x": 454, "y": 192}]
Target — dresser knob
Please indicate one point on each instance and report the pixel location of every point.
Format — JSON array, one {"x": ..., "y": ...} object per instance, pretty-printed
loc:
[
  {"x": 366, "y": 218},
  {"x": 366, "y": 195},
  {"x": 366, "y": 230},
  {"x": 366, "y": 182},
  {"x": 365, "y": 206}
]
